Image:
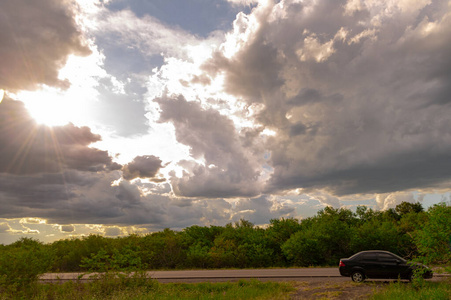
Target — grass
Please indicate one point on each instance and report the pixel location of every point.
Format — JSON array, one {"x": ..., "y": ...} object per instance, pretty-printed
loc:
[
  {"x": 328, "y": 294},
  {"x": 406, "y": 291},
  {"x": 140, "y": 288}
]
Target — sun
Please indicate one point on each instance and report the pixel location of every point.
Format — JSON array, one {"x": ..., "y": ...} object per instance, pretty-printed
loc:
[
  {"x": 55, "y": 107},
  {"x": 51, "y": 107}
]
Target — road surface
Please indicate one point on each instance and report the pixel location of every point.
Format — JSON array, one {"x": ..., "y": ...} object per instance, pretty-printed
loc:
[
  {"x": 300, "y": 274},
  {"x": 218, "y": 275}
]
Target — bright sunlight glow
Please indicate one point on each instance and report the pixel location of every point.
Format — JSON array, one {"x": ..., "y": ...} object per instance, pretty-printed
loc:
[
  {"x": 51, "y": 107},
  {"x": 55, "y": 107}
]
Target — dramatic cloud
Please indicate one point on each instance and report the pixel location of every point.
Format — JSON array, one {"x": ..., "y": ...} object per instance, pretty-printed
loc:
[
  {"x": 294, "y": 106},
  {"x": 36, "y": 39},
  {"x": 142, "y": 167},
  {"x": 28, "y": 148},
  {"x": 359, "y": 101},
  {"x": 227, "y": 169}
]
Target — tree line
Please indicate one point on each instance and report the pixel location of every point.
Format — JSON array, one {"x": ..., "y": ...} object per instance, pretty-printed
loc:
[{"x": 321, "y": 240}]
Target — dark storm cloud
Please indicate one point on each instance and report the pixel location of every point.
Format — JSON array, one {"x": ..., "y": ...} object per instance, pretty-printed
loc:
[
  {"x": 89, "y": 198},
  {"x": 143, "y": 167},
  {"x": 76, "y": 198},
  {"x": 29, "y": 148},
  {"x": 358, "y": 101},
  {"x": 36, "y": 38},
  {"x": 228, "y": 170}
]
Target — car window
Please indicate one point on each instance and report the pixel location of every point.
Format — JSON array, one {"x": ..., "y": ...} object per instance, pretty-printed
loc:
[
  {"x": 368, "y": 257},
  {"x": 386, "y": 257}
]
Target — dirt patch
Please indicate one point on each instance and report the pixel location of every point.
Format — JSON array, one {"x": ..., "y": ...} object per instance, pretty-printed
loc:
[{"x": 335, "y": 290}]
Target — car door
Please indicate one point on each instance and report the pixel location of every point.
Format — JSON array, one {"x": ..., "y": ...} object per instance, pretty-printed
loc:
[
  {"x": 369, "y": 263},
  {"x": 390, "y": 266}
]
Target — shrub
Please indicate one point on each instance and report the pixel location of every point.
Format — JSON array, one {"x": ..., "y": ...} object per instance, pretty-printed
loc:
[{"x": 21, "y": 264}]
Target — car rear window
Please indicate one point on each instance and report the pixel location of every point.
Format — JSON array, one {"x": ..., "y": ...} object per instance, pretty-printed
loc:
[{"x": 368, "y": 257}]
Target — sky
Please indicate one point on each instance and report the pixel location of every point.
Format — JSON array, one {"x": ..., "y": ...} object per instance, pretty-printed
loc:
[{"x": 131, "y": 116}]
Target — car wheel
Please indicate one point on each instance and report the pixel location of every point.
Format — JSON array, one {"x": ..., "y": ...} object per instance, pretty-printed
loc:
[{"x": 357, "y": 276}]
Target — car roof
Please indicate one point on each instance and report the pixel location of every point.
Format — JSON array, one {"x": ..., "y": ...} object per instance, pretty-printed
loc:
[
  {"x": 375, "y": 251},
  {"x": 378, "y": 251}
]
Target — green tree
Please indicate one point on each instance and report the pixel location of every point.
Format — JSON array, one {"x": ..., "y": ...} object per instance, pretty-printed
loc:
[
  {"x": 304, "y": 249},
  {"x": 278, "y": 232},
  {"x": 241, "y": 245},
  {"x": 434, "y": 239},
  {"x": 407, "y": 207},
  {"x": 198, "y": 256},
  {"x": 204, "y": 236},
  {"x": 22, "y": 262},
  {"x": 365, "y": 214},
  {"x": 163, "y": 249},
  {"x": 68, "y": 254},
  {"x": 325, "y": 238},
  {"x": 376, "y": 235}
]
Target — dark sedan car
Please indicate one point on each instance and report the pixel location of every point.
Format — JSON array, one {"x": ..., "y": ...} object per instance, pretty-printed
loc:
[{"x": 379, "y": 264}]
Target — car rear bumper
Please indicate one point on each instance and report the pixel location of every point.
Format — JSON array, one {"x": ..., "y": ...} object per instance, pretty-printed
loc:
[{"x": 344, "y": 272}]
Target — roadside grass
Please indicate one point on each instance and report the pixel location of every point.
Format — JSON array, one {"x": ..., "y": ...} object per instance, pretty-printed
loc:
[
  {"x": 408, "y": 291},
  {"x": 140, "y": 288},
  {"x": 328, "y": 294}
]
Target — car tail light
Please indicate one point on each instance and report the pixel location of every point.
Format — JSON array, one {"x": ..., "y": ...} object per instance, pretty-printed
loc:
[{"x": 341, "y": 264}]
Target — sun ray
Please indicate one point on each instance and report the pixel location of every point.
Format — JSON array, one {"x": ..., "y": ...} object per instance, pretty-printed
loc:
[{"x": 21, "y": 158}]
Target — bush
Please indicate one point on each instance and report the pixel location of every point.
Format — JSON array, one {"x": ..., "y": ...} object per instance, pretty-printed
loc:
[
  {"x": 434, "y": 240},
  {"x": 22, "y": 263}
]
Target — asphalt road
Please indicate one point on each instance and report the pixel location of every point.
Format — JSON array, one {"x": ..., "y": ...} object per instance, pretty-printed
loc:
[
  {"x": 300, "y": 274},
  {"x": 218, "y": 275}
]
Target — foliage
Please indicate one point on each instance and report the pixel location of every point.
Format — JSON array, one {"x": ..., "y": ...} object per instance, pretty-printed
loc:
[
  {"x": 21, "y": 263},
  {"x": 163, "y": 249},
  {"x": 303, "y": 249},
  {"x": 434, "y": 239},
  {"x": 125, "y": 259},
  {"x": 376, "y": 234},
  {"x": 407, "y": 207},
  {"x": 323, "y": 239}
]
